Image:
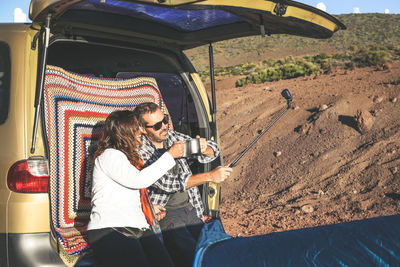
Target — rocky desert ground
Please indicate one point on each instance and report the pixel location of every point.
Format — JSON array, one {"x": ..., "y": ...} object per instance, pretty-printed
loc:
[{"x": 333, "y": 157}]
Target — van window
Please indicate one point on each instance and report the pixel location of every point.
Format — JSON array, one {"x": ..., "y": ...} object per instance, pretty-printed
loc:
[
  {"x": 5, "y": 75},
  {"x": 177, "y": 98}
]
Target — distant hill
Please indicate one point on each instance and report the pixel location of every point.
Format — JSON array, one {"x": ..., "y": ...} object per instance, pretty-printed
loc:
[{"x": 362, "y": 30}]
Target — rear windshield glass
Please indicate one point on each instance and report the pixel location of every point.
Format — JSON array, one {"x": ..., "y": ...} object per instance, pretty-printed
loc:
[
  {"x": 5, "y": 74},
  {"x": 183, "y": 20},
  {"x": 176, "y": 96}
]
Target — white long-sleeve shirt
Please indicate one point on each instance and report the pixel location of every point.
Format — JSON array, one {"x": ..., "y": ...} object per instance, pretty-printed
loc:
[{"x": 115, "y": 189}]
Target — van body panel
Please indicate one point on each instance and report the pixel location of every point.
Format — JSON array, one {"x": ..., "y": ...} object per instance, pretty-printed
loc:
[
  {"x": 4, "y": 196},
  {"x": 29, "y": 250},
  {"x": 203, "y": 93},
  {"x": 38, "y": 9},
  {"x": 21, "y": 212},
  {"x": 15, "y": 125},
  {"x": 294, "y": 9},
  {"x": 28, "y": 213},
  {"x": 24, "y": 213},
  {"x": 213, "y": 196}
]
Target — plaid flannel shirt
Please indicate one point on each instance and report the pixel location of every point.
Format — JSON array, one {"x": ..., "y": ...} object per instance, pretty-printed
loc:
[{"x": 174, "y": 180}]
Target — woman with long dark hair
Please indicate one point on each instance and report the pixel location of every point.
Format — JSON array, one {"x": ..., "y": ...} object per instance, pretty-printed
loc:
[{"x": 121, "y": 225}]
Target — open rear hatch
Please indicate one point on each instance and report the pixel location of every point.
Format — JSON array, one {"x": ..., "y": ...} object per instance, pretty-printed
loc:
[{"x": 183, "y": 24}]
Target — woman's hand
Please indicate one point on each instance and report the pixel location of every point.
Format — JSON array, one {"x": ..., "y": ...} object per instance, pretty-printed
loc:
[
  {"x": 204, "y": 148},
  {"x": 177, "y": 150},
  {"x": 160, "y": 211},
  {"x": 203, "y": 144}
]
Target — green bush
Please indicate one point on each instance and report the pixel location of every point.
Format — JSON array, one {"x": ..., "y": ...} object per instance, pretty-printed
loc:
[
  {"x": 280, "y": 71},
  {"x": 350, "y": 65},
  {"x": 291, "y": 71},
  {"x": 376, "y": 57},
  {"x": 370, "y": 57},
  {"x": 341, "y": 56},
  {"x": 323, "y": 60},
  {"x": 320, "y": 57},
  {"x": 353, "y": 48},
  {"x": 397, "y": 50},
  {"x": 311, "y": 68},
  {"x": 241, "y": 82}
]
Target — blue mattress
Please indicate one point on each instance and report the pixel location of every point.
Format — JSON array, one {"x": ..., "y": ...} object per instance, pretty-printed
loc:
[{"x": 370, "y": 242}]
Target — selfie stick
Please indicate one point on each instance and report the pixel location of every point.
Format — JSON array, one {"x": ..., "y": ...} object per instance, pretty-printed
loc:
[{"x": 286, "y": 94}]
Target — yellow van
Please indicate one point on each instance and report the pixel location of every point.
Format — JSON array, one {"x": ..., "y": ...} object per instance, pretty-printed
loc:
[{"x": 78, "y": 61}]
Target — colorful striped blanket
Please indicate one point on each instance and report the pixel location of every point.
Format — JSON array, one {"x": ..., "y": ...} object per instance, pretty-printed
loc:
[{"x": 74, "y": 107}]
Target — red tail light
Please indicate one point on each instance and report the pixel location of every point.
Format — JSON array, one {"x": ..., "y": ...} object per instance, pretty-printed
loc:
[{"x": 29, "y": 176}]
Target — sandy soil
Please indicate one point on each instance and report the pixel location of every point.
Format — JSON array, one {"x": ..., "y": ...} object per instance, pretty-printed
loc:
[{"x": 314, "y": 166}]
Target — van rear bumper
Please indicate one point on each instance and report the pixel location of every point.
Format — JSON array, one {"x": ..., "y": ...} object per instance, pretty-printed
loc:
[{"x": 19, "y": 250}]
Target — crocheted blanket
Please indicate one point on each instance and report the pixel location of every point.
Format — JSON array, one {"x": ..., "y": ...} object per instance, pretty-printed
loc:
[{"x": 74, "y": 107}]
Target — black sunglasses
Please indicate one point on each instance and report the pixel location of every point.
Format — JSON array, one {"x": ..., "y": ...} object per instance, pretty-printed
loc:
[{"x": 157, "y": 126}]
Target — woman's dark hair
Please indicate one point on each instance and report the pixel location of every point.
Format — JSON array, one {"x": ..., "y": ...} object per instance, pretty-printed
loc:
[{"x": 119, "y": 132}]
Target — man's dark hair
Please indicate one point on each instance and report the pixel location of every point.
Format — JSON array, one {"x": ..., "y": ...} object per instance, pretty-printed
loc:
[{"x": 144, "y": 108}]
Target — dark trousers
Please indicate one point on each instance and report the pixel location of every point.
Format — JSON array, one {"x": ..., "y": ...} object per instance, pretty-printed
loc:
[
  {"x": 112, "y": 248},
  {"x": 181, "y": 229}
]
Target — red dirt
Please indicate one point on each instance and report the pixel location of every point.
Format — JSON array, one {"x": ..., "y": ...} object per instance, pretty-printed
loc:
[{"x": 313, "y": 167}]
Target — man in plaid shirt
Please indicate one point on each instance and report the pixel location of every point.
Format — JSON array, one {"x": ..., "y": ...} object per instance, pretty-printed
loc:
[{"x": 176, "y": 192}]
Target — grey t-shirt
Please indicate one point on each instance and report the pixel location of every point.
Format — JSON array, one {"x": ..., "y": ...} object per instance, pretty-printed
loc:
[{"x": 179, "y": 200}]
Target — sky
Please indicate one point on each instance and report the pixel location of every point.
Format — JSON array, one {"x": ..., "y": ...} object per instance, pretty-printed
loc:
[
  {"x": 18, "y": 10},
  {"x": 337, "y": 7}
]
